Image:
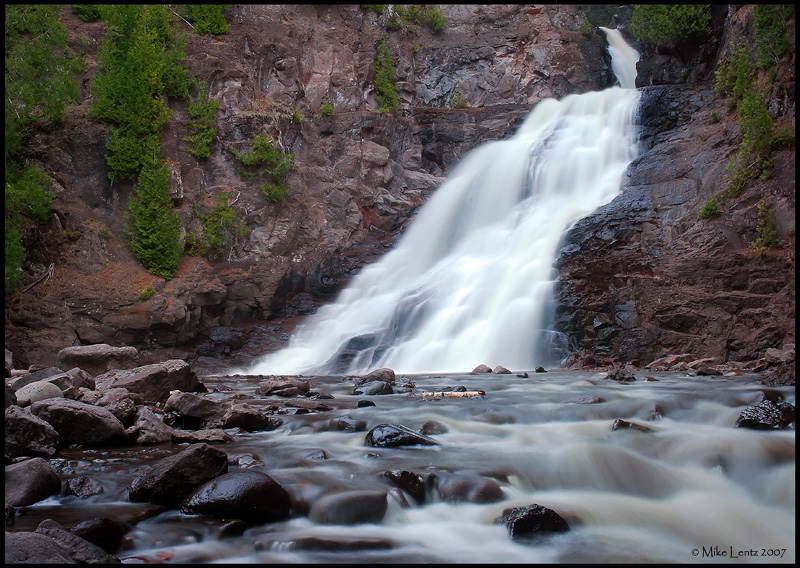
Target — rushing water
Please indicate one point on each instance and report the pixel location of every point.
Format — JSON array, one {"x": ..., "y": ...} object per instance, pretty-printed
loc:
[
  {"x": 694, "y": 482},
  {"x": 471, "y": 280}
]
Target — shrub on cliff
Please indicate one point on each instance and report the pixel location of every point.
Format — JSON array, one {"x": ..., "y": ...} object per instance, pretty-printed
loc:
[
  {"x": 263, "y": 160},
  {"x": 153, "y": 227},
  {"x": 385, "y": 80},
  {"x": 207, "y": 18},
  {"x": 220, "y": 225},
  {"x": 670, "y": 24},
  {"x": 202, "y": 124}
]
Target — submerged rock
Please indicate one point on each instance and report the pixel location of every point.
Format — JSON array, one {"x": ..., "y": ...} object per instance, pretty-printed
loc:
[
  {"x": 396, "y": 435},
  {"x": 531, "y": 521},
  {"x": 248, "y": 495}
]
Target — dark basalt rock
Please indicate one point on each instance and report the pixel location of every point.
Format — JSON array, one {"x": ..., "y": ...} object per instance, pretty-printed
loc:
[
  {"x": 396, "y": 435},
  {"x": 247, "y": 495},
  {"x": 767, "y": 415},
  {"x": 534, "y": 520}
]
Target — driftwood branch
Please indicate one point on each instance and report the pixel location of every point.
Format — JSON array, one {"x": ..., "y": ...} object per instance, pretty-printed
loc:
[{"x": 47, "y": 275}]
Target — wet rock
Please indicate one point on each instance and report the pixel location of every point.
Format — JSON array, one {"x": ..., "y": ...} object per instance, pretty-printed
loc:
[
  {"x": 169, "y": 481},
  {"x": 408, "y": 481},
  {"x": 767, "y": 415},
  {"x": 346, "y": 424},
  {"x": 500, "y": 370},
  {"x": 10, "y": 514},
  {"x": 195, "y": 411},
  {"x": 248, "y": 495},
  {"x": 248, "y": 418},
  {"x": 34, "y": 548},
  {"x": 28, "y": 435},
  {"x": 524, "y": 523},
  {"x": 349, "y": 508},
  {"x": 283, "y": 386},
  {"x": 11, "y": 397},
  {"x": 480, "y": 370},
  {"x": 396, "y": 435},
  {"x": 384, "y": 374},
  {"x": 540, "y": 369},
  {"x": 97, "y": 359},
  {"x": 625, "y": 425},
  {"x": 30, "y": 481},
  {"x": 79, "y": 549},
  {"x": 154, "y": 382},
  {"x": 82, "y": 487},
  {"x": 365, "y": 403},
  {"x": 458, "y": 488},
  {"x": 329, "y": 544},
  {"x": 433, "y": 427},
  {"x": 80, "y": 423},
  {"x": 118, "y": 401},
  {"x": 101, "y": 531},
  {"x": 210, "y": 436},
  {"x": 307, "y": 405},
  {"x": 149, "y": 429},
  {"x": 621, "y": 376},
  {"x": 34, "y": 392},
  {"x": 373, "y": 388},
  {"x": 587, "y": 400}
]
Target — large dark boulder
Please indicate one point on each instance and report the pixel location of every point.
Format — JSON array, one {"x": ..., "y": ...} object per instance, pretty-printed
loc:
[
  {"x": 767, "y": 415},
  {"x": 535, "y": 520},
  {"x": 169, "y": 481},
  {"x": 80, "y": 423},
  {"x": 247, "y": 495},
  {"x": 28, "y": 435},
  {"x": 97, "y": 359},
  {"x": 396, "y": 435},
  {"x": 79, "y": 549},
  {"x": 349, "y": 507},
  {"x": 29, "y": 482},
  {"x": 34, "y": 548},
  {"x": 153, "y": 382}
]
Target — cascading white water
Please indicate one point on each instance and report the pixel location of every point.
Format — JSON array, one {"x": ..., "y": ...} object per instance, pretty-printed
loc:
[{"x": 471, "y": 281}]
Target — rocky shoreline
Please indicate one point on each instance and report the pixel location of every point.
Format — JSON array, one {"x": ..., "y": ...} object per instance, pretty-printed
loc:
[{"x": 99, "y": 396}]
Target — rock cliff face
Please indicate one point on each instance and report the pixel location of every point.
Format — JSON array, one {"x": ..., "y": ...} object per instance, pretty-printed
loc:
[
  {"x": 639, "y": 278},
  {"x": 644, "y": 276}
]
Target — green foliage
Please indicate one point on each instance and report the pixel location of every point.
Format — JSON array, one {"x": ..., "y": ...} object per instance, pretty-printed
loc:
[
  {"x": 265, "y": 161},
  {"x": 767, "y": 228},
  {"x": 104, "y": 234},
  {"x": 87, "y": 12},
  {"x": 220, "y": 225},
  {"x": 153, "y": 227},
  {"x": 28, "y": 195},
  {"x": 326, "y": 109},
  {"x": 140, "y": 62},
  {"x": 771, "y": 39},
  {"x": 735, "y": 75},
  {"x": 207, "y": 18},
  {"x": 710, "y": 209},
  {"x": 147, "y": 293},
  {"x": 71, "y": 234},
  {"x": 37, "y": 71},
  {"x": 377, "y": 8},
  {"x": 458, "y": 100},
  {"x": 416, "y": 15},
  {"x": 670, "y": 24},
  {"x": 201, "y": 108},
  {"x": 586, "y": 28},
  {"x": 385, "y": 80},
  {"x": 298, "y": 116}
]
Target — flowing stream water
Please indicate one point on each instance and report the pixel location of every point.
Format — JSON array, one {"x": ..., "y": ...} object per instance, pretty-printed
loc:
[{"x": 463, "y": 287}]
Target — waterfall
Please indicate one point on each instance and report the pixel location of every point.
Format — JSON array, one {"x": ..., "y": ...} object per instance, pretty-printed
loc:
[{"x": 471, "y": 281}]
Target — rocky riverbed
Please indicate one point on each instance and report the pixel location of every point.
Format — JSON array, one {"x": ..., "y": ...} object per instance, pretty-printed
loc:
[{"x": 109, "y": 461}]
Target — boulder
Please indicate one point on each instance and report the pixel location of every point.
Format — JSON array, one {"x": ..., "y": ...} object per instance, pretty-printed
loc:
[
  {"x": 349, "y": 507},
  {"x": 106, "y": 533},
  {"x": 29, "y": 482},
  {"x": 34, "y": 392},
  {"x": 373, "y": 388},
  {"x": 458, "y": 488},
  {"x": 80, "y": 423},
  {"x": 97, "y": 359},
  {"x": 283, "y": 386},
  {"x": 195, "y": 411},
  {"x": 346, "y": 424},
  {"x": 396, "y": 435},
  {"x": 384, "y": 374},
  {"x": 79, "y": 549},
  {"x": 148, "y": 429},
  {"x": 28, "y": 435},
  {"x": 169, "y": 481},
  {"x": 534, "y": 520},
  {"x": 767, "y": 415},
  {"x": 410, "y": 482},
  {"x": 248, "y": 418},
  {"x": 480, "y": 370},
  {"x": 154, "y": 382},
  {"x": 248, "y": 495},
  {"x": 34, "y": 548},
  {"x": 82, "y": 486}
]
